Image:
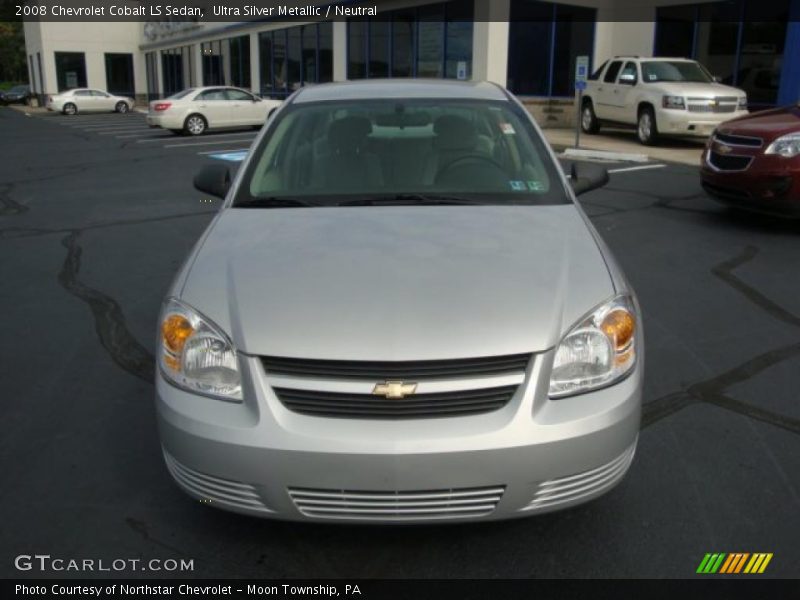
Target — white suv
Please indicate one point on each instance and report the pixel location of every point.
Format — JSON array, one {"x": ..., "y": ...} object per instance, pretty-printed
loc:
[{"x": 660, "y": 96}]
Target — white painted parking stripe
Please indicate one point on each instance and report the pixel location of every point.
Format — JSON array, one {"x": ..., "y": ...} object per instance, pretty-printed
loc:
[
  {"x": 216, "y": 137},
  {"x": 205, "y": 143},
  {"x": 120, "y": 129},
  {"x": 229, "y": 150},
  {"x": 126, "y": 131},
  {"x": 639, "y": 168},
  {"x": 143, "y": 134}
]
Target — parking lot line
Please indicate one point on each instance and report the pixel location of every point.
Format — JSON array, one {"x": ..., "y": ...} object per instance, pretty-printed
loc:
[
  {"x": 229, "y": 150},
  {"x": 148, "y": 133},
  {"x": 216, "y": 137},
  {"x": 639, "y": 168},
  {"x": 205, "y": 143},
  {"x": 119, "y": 129}
]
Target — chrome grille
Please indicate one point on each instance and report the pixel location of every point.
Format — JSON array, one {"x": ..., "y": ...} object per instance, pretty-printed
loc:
[
  {"x": 718, "y": 104},
  {"x": 395, "y": 505},
  {"x": 570, "y": 489},
  {"x": 367, "y": 406},
  {"x": 460, "y": 367},
  {"x": 215, "y": 490},
  {"x": 738, "y": 140}
]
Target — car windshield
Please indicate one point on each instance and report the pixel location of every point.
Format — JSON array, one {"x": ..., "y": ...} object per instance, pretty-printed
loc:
[
  {"x": 401, "y": 151},
  {"x": 678, "y": 70},
  {"x": 180, "y": 95},
  {"x": 19, "y": 89}
]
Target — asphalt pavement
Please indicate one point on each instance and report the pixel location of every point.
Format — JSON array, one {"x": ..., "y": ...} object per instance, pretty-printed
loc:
[{"x": 98, "y": 212}]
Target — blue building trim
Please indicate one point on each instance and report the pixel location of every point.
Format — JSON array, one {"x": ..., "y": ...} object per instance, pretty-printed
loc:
[{"x": 789, "y": 90}]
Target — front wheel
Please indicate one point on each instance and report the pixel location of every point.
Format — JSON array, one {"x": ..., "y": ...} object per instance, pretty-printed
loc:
[
  {"x": 646, "y": 129},
  {"x": 195, "y": 125},
  {"x": 122, "y": 107},
  {"x": 70, "y": 109},
  {"x": 589, "y": 123}
]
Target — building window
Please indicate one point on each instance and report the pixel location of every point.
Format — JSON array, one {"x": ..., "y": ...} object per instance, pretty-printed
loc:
[
  {"x": 177, "y": 69},
  {"x": 32, "y": 75},
  {"x": 41, "y": 73},
  {"x": 240, "y": 61},
  {"x": 429, "y": 41},
  {"x": 294, "y": 57},
  {"x": 544, "y": 41},
  {"x": 213, "y": 63},
  {"x": 70, "y": 70},
  {"x": 739, "y": 41},
  {"x": 119, "y": 74},
  {"x": 152, "y": 76}
]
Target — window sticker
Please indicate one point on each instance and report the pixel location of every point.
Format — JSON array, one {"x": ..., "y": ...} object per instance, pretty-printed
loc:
[
  {"x": 518, "y": 186},
  {"x": 651, "y": 76},
  {"x": 535, "y": 186},
  {"x": 507, "y": 128}
]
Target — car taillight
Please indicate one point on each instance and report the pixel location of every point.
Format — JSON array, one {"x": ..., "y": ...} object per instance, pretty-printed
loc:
[{"x": 162, "y": 106}]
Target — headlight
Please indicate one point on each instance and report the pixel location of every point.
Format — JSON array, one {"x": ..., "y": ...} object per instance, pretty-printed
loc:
[
  {"x": 195, "y": 354},
  {"x": 598, "y": 351},
  {"x": 673, "y": 102},
  {"x": 743, "y": 102},
  {"x": 787, "y": 146}
]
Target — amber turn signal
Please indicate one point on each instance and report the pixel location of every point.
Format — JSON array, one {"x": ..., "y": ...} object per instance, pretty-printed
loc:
[{"x": 619, "y": 325}]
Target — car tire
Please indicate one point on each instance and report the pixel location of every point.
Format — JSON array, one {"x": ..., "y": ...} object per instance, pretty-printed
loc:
[
  {"x": 70, "y": 109},
  {"x": 646, "y": 128},
  {"x": 195, "y": 125},
  {"x": 589, "y": 122},
  {"x": 122, "y": 107}
]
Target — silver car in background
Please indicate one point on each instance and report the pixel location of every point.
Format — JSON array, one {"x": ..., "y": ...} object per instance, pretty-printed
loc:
[
  {"x": 84, "y": 100},
  {"x": 400, "y": 314}
]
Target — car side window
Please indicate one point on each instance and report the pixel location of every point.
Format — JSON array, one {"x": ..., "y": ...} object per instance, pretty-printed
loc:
[
  {"x": 628, "y": 75},
  {"x": 83, "y": 93},
  {"x": 239, "y": 95},
  {"x": 212, "y": 95},
  {"x": 99, "y": 94},
  {"x": 613, "y": 70},
  {"x": 596, "y": 75}
]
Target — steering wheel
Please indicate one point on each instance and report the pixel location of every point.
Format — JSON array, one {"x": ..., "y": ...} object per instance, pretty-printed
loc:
[{"x": 469, "y": 158}]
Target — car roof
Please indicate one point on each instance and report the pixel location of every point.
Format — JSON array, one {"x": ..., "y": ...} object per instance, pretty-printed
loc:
[{"x": 401, "y": 88}]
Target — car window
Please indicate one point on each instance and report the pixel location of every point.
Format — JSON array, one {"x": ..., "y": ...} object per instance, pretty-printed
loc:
[
  {"x": 99, "y": 94},
  {"x": 613, "y": 69},
  {"x": 239, "y": 95},
  {"x": 628, "y": 75},
  {"x": 677, "y": 70},
  {"x": 218, "y": 94},
  {"x": 82, "y": 93},
  {"x": 180, "y": 95},
  {"x": 596, "y": 75},
  {"x": 336, "y": 151}
]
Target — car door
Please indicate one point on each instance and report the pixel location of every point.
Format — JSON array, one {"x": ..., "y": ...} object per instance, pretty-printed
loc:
[
  {"x": 102, "y": 101},
  {"x": 245, "y": 108},
  {"x": 83, "y": 100},
  {"x": 622, "y": 96},
  {"x": 213, "y": 104},
  {"x": 603, "y": 102}
]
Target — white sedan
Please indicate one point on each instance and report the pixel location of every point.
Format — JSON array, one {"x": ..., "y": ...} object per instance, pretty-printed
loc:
[
  {"x": 71, "y": 102},
  {"x": 196, "y": 110}
]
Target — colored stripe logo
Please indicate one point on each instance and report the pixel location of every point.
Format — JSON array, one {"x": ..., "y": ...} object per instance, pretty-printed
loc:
[{"x": 734, "y": 563}]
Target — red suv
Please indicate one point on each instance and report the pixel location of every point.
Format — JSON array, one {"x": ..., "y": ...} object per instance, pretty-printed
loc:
[{"x": 753, "y": 162}]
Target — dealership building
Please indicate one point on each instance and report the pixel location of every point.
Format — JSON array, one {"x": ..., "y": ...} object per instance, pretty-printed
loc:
[{"x": 529, "y": 46}]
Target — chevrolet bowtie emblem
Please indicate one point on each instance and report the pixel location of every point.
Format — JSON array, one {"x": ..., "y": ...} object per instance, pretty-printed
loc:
[
  {"x": 722, "y": 148},
  {"x": 394, "y": 389}
]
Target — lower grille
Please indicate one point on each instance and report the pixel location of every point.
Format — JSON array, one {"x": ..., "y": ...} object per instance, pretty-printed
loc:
[
  {"x": 215, "y": 490},
  {"x": 728, "y": 162},
  {"x": 397, "y": 506},
  {"x": 563, "y": 490},
  {"x": 441, "y": 404}
]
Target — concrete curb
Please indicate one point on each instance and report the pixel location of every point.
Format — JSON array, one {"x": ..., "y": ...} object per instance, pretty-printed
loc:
[{"x": 605, "y": 155}]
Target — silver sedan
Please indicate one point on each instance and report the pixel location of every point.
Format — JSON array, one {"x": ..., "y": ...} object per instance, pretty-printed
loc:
[{"x": 400, "y": 314}]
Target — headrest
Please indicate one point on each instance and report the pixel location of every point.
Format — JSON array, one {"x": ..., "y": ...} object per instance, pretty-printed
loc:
[
  {"x": 454, "y": 133},
  {"x": 348, "y": 133}
]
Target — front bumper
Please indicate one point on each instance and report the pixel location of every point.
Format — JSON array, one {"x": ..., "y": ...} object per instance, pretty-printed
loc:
[
  {"x": 686, "y": 123},
  {"x": 770, "y": 184},
  {"x": 534, "y": 455}
]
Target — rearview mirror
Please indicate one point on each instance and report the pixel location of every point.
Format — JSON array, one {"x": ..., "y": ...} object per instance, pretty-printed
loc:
[
  {"x": 214, "y": 180},
  {"x": 585, "y": 177}
]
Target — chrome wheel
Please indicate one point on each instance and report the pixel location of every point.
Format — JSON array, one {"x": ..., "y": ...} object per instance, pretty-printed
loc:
[
  {"x": 122, "y": 107},
  {"x": 70, "y": 109},
  {"x": 645, "y": 126},
  {"x": 586, "y": 118},
  {"x": 195, "y": 125}
]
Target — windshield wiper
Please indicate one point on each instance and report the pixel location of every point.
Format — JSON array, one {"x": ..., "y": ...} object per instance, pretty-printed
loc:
[
  {"x": 409, "y": 199},
  {"x": 272, "y": 202}
]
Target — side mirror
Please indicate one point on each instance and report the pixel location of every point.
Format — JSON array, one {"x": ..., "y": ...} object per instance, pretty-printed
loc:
[
  {"x": 585, "y": 177},
  {"x": 716, "y": 79},
  {"x": 256, "y": 99},
  {"x": 214, "y": 180}
]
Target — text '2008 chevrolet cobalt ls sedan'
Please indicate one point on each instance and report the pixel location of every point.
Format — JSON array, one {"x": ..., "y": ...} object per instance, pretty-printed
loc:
[{"x": 399, "y": 314}]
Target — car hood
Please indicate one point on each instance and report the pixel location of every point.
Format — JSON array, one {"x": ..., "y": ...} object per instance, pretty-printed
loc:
[
  {"x": 397, "y": 283},
  {"x": 698, "y": 90},
  {"x": 767, "y": 124}
]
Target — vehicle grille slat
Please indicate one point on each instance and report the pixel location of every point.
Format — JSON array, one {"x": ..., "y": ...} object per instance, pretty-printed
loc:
[
  {"x": 738, "y": 140},
  {"x": 336, "y": 404},
  {"x": 728, "y": 162},
  {"x": 400, "y": 505},
  {"x": 472, "y": 367}
]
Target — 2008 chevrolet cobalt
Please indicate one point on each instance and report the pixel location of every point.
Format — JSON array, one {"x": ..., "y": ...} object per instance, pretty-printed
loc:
[{"x": 400, "y": 314}]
